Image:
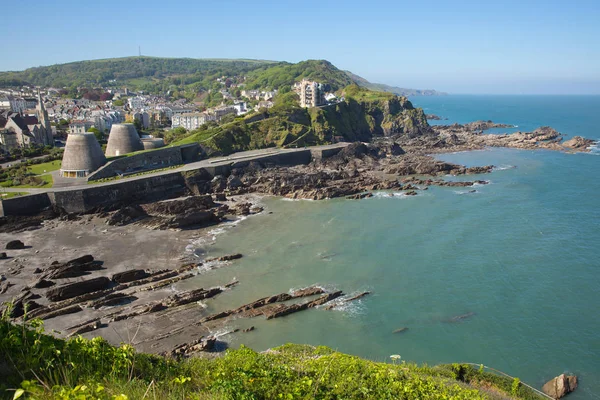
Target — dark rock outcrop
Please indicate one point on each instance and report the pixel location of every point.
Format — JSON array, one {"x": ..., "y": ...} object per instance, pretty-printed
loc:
[
  {"x": 77, "y": 288},
  {"x": 578, "y": 143},
  {"x": 129, "y": 276},
  {"x": 42, "y": 284},
  {"x": 191, "y": 296},
  {"x": 185, "y": 349},
  {"x": 73, "y": 268},
  {"x": 15, "y": 245},
  {"x": 283, "y": 310},
  {"x": 126, "y": 215},
  {"x": 92, "y": 326},
  {"x": 225, "y": 258}
]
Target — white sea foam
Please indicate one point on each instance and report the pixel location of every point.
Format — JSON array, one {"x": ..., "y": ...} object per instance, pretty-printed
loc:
[
  {"x": 288, "y": 199},
  {"x": 327, "y": 288},
  {"x": 390, "y": 195},
  {"x": 595, "y": 148},
  {"x": 481, "y": 184},
  {"x": 326, "y": 256},
  {"x": 504, "y": 167},
  {"x": 195, "y": 246},
  {"x": 211, "y": 265},
  {"x": 354, "y": 307},
  {"x": 466, "y": 191}
]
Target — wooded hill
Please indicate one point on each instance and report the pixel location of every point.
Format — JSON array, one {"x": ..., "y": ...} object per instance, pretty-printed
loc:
[{"x": 158, "y": 75}]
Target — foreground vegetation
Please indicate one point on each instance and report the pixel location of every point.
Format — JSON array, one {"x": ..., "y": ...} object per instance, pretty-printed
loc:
[{"x": 35, "y": 365}]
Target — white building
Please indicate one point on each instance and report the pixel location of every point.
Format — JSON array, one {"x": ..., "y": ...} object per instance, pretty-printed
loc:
[
  {"x": 330, "y": 97},
  {"x": 251, "y": 94},
  {"x": 143, "y": 117},
  {"x": 311, "y": 93},
  {"x": 16, "y": 104},
  {"x": 80, "y": 126},
  {"x": 137, "y": 102},
  {"x": 267, "y": 96},
  {"x": 222, "y": 111},
  {"x": 263, "y": 104},
  {"x": 240, "y": 108},
  {"x": 182, "y": 110},
  {"x": 191, "y": 121}
]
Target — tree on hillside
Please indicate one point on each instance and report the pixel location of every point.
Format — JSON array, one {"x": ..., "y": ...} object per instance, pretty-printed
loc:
[
  {"x": 106, "y": 96},
  {"x": 138, "y": 125},
  {"x": 99, "y": 135}
]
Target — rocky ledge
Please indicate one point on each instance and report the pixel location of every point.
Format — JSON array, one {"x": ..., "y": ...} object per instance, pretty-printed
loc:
[{"x": 447, "y": 138}]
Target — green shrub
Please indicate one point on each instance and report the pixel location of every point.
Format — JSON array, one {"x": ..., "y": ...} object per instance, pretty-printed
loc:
[{"x": 43, "y": 367}]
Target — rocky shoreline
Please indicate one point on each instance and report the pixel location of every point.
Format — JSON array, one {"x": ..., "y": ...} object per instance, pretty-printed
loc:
[{"x": 111, "y": 273}]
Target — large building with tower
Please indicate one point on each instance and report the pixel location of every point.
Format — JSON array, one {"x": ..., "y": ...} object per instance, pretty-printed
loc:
[
  {"x": 23, "y": 130},
  {"x": 312, "y": 94}
]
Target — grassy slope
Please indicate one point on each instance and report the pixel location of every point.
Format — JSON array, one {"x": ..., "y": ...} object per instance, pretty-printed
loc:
[
  {"x": 9, "y": 195},
  {"x": 48, "y": 182},
  {"x": 45, "y": 367},
  {"x": 39, "y": 169},
  {"x": 364, "y": 114}
]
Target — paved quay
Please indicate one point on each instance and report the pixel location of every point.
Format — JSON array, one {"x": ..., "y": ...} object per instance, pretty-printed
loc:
[{"x": 66, "y": 184}]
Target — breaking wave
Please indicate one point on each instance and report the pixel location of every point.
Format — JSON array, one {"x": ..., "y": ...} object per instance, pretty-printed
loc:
[
  {"x": 595, "y": 148},
  {"x": 390, "y": 195},
  {"x": 504, "y": 167},
  {"x": 472, "y": 191},
  {"x": 197, "y": 245}
]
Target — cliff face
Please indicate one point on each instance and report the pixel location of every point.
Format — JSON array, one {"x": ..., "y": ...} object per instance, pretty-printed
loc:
[
  {"x": 362, "y": 120},
  {"x": 359, "y": 118}
]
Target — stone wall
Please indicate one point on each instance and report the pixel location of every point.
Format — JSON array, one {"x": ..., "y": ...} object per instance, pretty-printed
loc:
[
  {"x": 149, "y": 160},
  {"x": 322, "y": 152},
  {"x": 25, "y": 205},
  {"x": 150, "y": 188},
  {"x": 146, "y": 188}
]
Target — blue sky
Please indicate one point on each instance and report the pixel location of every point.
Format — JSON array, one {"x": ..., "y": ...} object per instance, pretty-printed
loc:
[{"x": 505, "y": 47}]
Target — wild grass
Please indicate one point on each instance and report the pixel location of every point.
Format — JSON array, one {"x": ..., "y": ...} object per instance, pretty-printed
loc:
[{"x": 36, "y": 365}]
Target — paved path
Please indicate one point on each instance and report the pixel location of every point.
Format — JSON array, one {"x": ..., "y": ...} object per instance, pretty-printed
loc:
[
  {"x": 15, "y": 162},
  {"x": 65, "y": 184}
]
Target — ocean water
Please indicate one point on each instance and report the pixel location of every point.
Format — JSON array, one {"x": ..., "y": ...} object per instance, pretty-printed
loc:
[{"x": 521, "y": 257}]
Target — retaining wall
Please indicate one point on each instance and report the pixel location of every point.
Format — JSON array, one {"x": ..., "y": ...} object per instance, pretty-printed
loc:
[
  {"x": 25, "y": 205},
  {"x": 149, "y": 160},
  {"x": 144, "y": 189}
]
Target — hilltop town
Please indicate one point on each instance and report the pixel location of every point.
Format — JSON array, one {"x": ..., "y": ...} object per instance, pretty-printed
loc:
[{"x": 35, "y": 116}]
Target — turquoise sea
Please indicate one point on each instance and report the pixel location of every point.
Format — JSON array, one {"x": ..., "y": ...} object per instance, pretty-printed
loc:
[{"x": 522, "y": 254}]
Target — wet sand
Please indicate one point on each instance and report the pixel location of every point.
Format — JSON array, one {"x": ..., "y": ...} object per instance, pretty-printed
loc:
[{"x": 119, "y": 248}]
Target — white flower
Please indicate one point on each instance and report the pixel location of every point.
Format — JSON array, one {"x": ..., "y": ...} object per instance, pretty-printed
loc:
[{"x": 395, "y": 357}]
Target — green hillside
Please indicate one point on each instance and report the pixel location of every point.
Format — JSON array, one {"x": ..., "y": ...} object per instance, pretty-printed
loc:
[
  {"x": 38, "y": 366},
  {"x": 284, "y": 75},
  {"x": 363, "y": 114},
  {"x": 139, "y": 71},
  {"x": 189, "y": 76}
]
